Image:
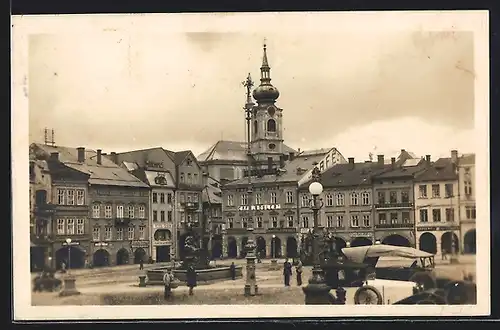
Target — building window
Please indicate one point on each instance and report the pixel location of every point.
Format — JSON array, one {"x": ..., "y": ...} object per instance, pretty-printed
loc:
[
  {"x": 244, "y": 222},
  {"x": 259, "y": 222},
  {"x": 289, "y": 197},
  {"x": 274, "y": 222},
  {"x": 155, "y": 197},
  {"x": 393, "y": 197},
  {"x": 330, "y": 221},
  {"x": 71, "y": 197},
  {"x": 182, "y": 177},
  {"x": 244, "y": 199},
  {"x": 468, "y": 187},
  {"x": 142, "y": 211},
  {"x": 436, "y": 191},
  {"x": 354, "y": 221},
  {"x": 450, "y": 215},
  {"x": 189, "y": 178},
  {"x": 108, "y": 234},
  {"x": 80, "y": 197},
  {"x": 470, "y": 212},
  {"x": 169, "y": 216},
  {"x": 366, "y": 220},
  {"x": 230, "y": 200},
  {"x": 329, "y": 200},
  {"x": 405, "y": 196},
  {"x": 155, "y": 215},
  {"x": 96, "y": 233},
  {"x": 119, "y": 211},
  {"x": 436, "y": 215},
  {"x": 304, "y": 201},
  {"x": 381, "y": 197},
  {"x": 131, "y": 212},
  {"x": 60, "y": 226},
  {"x": 230, "y": 222},
  {"x": 182, "y": 197},
  {"x": 80, "y": 226},
  {"x": 273, "y": 198},
  {"x": 61, "y": 197},
  {"x": 406, "y": 217},
  {"x": 130, "y": 233},
  {"x": 169, "y": 198},
  {"x": 340, "y": 199},
  {"x": 271, "y": 125},
  {"x": 195, "y": 178},
  {"x": 108, "y": 213},
  {"x": 290, "y": 221},
  {"x": 162, "y": 198},
  {"x": 448, "y": 190},
  {"x": 354, "y": 199},
  {"x": 142, "y": 232},
  {"x": 282, "y": 223},
  {"x": 422, "y": 190},
  {"x": 305, "y": 221},
  {"x": 119, "y": 234},
  {"x": 424, "y": 216},
  {"x": 258, "y": 199},
  {"x": 365, "y": 198},
  {"x": 96, "y": 211},
  {"x": 394, "y": 218},
  {"x": 162, "y": 216},
  {"x": 382, "y": 218},
  {"x": 340, "y": 221}
]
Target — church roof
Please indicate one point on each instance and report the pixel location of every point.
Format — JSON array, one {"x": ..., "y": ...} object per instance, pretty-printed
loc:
[{"x": 230, "y": 151}]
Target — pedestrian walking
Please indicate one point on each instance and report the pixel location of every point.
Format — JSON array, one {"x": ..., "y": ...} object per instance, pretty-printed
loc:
[
  {"x": 191, "y": 279},
  {"x": 141, "y": 264},
  {"x": 443, "y": 254},
  {"x": 233, "y": 271},
  {"x": 298, "y": 270},
  {"x": 287, "y": 272},
  {"x": 167, "y": 282}
]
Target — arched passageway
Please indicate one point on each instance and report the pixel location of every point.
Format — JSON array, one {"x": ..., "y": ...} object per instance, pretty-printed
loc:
[
  {"x": 470, "y": 242},
  {"x": 232, "y": 247},
  {"x": 396, "y": 240},
  {"x": 448, "y": 245},
  {"x": 122, "y": 257},
  {"x": 243, "y": 252},
  {"x": 275, "y": 247},
  {"x": 139, "y": 255},
  {"x": 361, "y": 241},
  {"x": 216, "y": 248},
  {"x": 291, "y": 247},
  {"x": 73, "y": 257},
  {"x": 428, "y": 243},
  {"x": 261, "y": 247},
  {"x": 100, "y": 258}
]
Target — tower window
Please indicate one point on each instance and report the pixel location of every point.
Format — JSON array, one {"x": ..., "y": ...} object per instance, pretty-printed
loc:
[
  {"x": 255, "y": 127},
  {"x": 271, "y": 125},
  {"x": 271, "y": 146}
]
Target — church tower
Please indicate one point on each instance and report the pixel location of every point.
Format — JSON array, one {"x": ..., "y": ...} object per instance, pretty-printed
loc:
[{"x": 267, "y": 127}]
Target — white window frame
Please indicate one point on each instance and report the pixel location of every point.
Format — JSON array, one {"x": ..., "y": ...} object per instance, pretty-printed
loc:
[
  {"x": 365, "y": 198},
  {"x": 61, "y": 227},
  {"x": 142, "y": 212},
  {"x": 230, "y": 200},
  {"x": 71, "y": 197},
  {"x": 230, "y": 222},
  {"x": 274, "y": 222},
  {"x": 340, "y": 221},
  {"x": 305, "y": 221},
  {"x": 130, "y": 233},
  {"x": 366, "y": 220},
  {"x": 130, "y": 211},
  {"x": 119, "y": 211},
  {"x": 80, "y": 196},
  {"x": 289, "y": 219},
  {"x": 108, "y": 233},
  {"x": 80, "y": 226},
  {"x": 108, "y": 211},
  {"x": 96, "y": 233},
  {"x": 330, "y": 220},
  {"x": 422, "y": 191},
  {"x": 354, "y": 221},
  {"x": 70, "y": 226},
  {"x": 259, "y": 222},
  {"x": 274, "y": 198},
  {"x": 329, "y": 200},
  {"x": 142, "y": 232},
  {"x": 258, "y": 198},
  {"x": 119, "y": 234},
  {"x": 61, "y": 196},
  {"x": 304, "y": 201},
  {"x": 289, "y": 197},
  {"x": 354, "y": 199},
  {"x": 340, "y": 199},
  {"x": 96, "y": 211},
  {"x": 244, "y": 199},
  {"x": 424, "y": 216}
]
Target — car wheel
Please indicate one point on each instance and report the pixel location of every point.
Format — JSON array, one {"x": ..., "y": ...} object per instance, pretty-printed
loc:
[
  {"x": 368, "y": 295},
  {"x": 426, "y": 280}
]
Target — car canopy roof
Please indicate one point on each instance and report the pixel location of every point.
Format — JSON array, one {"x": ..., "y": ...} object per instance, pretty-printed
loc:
[{"x": 359, "y": 253}]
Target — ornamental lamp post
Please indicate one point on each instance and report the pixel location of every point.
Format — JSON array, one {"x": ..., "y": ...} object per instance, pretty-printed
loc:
[
  {"x": 274, "y": 261},
  {"x": 317, "y": 292},
  {"x": 68, "y": 243},
  {"x": 69, "y": 288}
]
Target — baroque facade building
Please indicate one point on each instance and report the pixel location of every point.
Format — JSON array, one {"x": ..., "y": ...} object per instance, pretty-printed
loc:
[{"x": 467, "y": 201}]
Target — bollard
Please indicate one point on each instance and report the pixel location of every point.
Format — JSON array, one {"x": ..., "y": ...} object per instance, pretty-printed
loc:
[
  {"x": 341, "y": 296},
  {"x": 142, "y": 281}
]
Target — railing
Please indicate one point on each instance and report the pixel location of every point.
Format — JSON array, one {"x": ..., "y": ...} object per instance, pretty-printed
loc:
[
  {"x": 191, "y": 205},
  {"x": 45, "y": 208},
  {"x": 393, "y": 205},
  {"x": 394, "y": 225}
]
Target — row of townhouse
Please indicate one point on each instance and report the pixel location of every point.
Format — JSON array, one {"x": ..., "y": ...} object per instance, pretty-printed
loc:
[{"x": 406, "y": 201}]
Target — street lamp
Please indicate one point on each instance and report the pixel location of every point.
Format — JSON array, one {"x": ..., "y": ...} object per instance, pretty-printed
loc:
[
  {"x": 69, "y": 288},
  {"x": 68, "y": 242},
  {"x": 274, "y": 261},
  {"x": 317, "y": 291}
]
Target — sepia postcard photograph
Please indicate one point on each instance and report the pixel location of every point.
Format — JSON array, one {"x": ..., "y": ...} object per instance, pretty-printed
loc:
[{"x": 315, "y": 162}]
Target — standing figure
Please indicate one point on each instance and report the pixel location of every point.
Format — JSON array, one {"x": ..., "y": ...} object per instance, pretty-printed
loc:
[
  {"x": 167, "y": 282},
  {"x": 298, "y": 269},
  {"x": 141, "y": 264},
  {"x": 233, "y": 271},
  {"x": 191, "y": 278},
  {"x": 287, "y": 272}
]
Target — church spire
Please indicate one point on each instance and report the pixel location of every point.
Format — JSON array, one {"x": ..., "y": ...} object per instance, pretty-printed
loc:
[
  {"x": 265, "y": 92},
  {"x": 265, "y": 70}
]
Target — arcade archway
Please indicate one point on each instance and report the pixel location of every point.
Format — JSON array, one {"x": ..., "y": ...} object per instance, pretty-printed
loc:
[
  {"x": 232, "y": 247},
  {"x": 75, "y": 256},
  {"x": 261, "y": 247},
  {"x": 361, "y": 241},
  {"x": 470, "y": 242},
  {"x": 216, "y": 248},
  {"x": 396, "y": 240},
  {"x": 243, "y": 252},
  {"x": 275, "y": 247},
  {"x": 446, "y": 243},
  {"x": 428, "y": 243},
  {"x": 139, "y": 255},
  {"x": 100, "y": 258},
  {"x": 291, "y": 247},
  {"x": 339, "y": 244},
  {"x": 122, "y": 257}
]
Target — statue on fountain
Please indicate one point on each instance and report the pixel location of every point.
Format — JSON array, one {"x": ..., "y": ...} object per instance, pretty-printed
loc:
[{"x": 193, "y": 254}]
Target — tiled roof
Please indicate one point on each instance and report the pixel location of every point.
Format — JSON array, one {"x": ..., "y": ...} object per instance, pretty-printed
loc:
[
  {"x": 212, "y": 192},
  {"x": 107, "y": 173},
  {"x": 179, "y": 156},
  {"x": 138, "y": 155},
  {"x": 467, "y": 159},
  {"x": 401, "y": 172},
  {"x": 441, "y": 170},
  {"x": 230, "y": 151}
]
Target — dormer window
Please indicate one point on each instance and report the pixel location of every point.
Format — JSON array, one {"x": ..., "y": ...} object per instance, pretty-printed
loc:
[{"x": 189, "y": 162}]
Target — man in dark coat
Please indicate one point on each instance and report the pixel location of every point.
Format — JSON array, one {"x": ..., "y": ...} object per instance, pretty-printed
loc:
[
  {"x": 287, "y": 272},
  {"x": 191, "y": 279},
  {"x": 233, "y": 271},
  {"x": 298, "y": 270}
]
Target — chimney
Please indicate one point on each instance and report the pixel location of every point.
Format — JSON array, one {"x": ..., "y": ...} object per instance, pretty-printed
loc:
[
  {"x": 114, "y": 157},
  {"x": 291, "y": 156},
  {"x": 380, "y": 160},
  {"x": 282, "y": 161},
  {"x": 428, "y": 159},
  {"x": 454, "y": 156},
  {"x": 99, "y": 156},
  {"x": 269, "y": 164},
  {"x": 403, "y": 150},
  {"x": 393, "y": 162},
  {"x": 54, "y": 156},
  {"x": 351, "y": 162},
  {"x": 81, "y": 154}
]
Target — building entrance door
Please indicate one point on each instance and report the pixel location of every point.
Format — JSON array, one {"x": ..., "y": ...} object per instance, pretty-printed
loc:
[{"x": 163, "y": 253}]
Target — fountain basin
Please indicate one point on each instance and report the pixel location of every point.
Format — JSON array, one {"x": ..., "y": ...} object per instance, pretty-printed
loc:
[{"x": 219, "y": 272}]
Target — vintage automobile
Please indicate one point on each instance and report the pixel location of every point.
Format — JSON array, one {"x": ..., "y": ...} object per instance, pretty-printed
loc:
[{"x": 418, "y": 268}]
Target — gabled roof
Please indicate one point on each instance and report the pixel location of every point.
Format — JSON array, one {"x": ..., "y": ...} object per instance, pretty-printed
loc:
[
  {"x": 180, "y": 156},
  {"x": 230, "y": 151},
  {"x": 441, "y": 170},
  {"x": 138, "y": 156},
  {"x": 107, "y": 173}
]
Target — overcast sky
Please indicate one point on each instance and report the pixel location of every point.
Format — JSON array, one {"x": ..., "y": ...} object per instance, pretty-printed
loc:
[{"x": 360, "y": 92}]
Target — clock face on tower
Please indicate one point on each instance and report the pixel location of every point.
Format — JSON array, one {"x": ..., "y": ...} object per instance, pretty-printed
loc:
[{"x": 271, "y": 111}]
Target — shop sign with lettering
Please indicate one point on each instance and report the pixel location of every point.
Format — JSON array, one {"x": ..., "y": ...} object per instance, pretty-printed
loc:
[
  {"x": 365, "y": 234},
  {"x": 101, "y": 244},
  {"x": 162, "y": 226},
  {"x": 438, "y": 228},
  {"x": 140, "y": 244},
  {"x": 259, "y": 207}
]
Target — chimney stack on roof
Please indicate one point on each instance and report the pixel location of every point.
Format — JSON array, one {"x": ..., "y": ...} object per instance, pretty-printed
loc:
[
  {"x": 269, "y": 164},
  {"x": 54, "y": 156},
  {"x": 403, "y": 150},
  {"x": 454, "y": 156},
  {"x": 81, "y": 154},
  {"x": 380, "y": 160},
  {"x": 99, "y": 157},
  {"x": 291, "y": 156},
  {"x": 428, "y": 159},
  {"x": 393, "y": 161},
  {"x": 114, "y": 157},
  {"x": 351, "y": 162}
]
